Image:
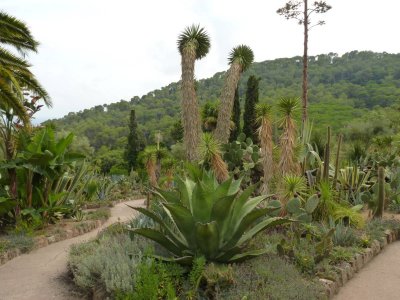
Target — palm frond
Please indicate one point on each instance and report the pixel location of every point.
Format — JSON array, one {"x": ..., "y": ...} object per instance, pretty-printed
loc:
[{"x": 16, "y": 33}]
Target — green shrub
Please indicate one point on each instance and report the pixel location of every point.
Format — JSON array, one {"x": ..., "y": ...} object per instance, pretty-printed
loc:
[
  {"x": 109, "y": 261},
  {"x": 155, "y": 280},
  {"x": 102, "y": 213},
  {"x": 344, "y": 236},
  {"x": 21, "y": 241},
  {"x": 375, "y": 229},
  {"x": 343, "y": 254},
  {"x": 269, "y": 278}
]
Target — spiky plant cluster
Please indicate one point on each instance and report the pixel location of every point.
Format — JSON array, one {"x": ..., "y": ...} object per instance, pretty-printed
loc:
[
  {"x": 264, "y": 119},
  {"x": 210, "y": 150},
  {"x": 240, "y": 59},
  {"x": 288, "y": 163},
  {"x": 193, "y": 43},
  {"x": 242, "y": 55},
  {"x": 196, "y": 38}
]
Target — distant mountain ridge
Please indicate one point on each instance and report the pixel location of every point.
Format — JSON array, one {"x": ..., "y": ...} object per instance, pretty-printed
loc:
[{"x": 340, "y": 88}]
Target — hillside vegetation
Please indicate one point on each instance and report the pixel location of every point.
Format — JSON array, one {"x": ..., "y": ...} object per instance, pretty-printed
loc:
[{"x": 342, "y": 88}]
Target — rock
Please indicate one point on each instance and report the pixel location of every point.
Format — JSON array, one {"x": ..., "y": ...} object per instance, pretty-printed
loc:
[{"x": 51, "y": 239}]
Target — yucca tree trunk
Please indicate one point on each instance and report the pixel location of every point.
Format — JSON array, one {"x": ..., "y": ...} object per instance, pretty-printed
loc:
[
  {"x": 151, "y": 172},
  {"x": 265, "y": 135},
  {"x": 305, "y": 64},
  {"x": 219, "y": 167},
  {"x": 190, "y": 110},
  {"x": 222, "y": 132},
  {"x": 287, "y": 162}
]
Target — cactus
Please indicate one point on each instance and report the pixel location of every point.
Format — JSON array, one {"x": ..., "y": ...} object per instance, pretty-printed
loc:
[
  {"x": 241, "y": 155},
  {"x": 337, "y": 161},
  {"x": 381, "y": 193},
  {"x": 294, "y": 207},
  {"x": 327, "y": 156}
]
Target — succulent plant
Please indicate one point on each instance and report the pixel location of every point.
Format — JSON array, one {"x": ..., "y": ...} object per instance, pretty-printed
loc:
[
  {"x": 300, "y": 213},
  {"x": 209, "y": 219}
]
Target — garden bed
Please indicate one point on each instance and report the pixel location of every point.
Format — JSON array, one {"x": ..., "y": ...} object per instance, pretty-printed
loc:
[
  {"x": 117, "y": 267},
  {"x": 15, "y": 244}
]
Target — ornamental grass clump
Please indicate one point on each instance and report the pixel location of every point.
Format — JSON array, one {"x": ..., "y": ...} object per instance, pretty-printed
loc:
[{"x": 209, "y": 219}]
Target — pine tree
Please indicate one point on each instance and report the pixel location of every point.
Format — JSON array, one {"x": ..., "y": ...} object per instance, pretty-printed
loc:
[
  {"x": 235, "y": 117},
  {"x": 133, "y": 146},
  {"x": 249, "y": 115}
]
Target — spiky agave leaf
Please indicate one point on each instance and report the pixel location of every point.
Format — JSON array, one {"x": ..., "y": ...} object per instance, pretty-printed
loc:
[
  {"x": 288, "y": 106},
  {"x": 196, "y": 38},
  {"x": 243, "y": 55}
]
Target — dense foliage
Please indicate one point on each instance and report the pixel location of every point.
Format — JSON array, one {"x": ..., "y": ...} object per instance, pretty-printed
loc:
[{"x": 341, "y": 88}]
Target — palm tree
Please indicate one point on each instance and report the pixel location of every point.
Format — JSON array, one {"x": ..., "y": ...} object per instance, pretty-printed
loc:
[
  {"x": 287, "y": 163},
  {"x": 210, "y": 151},
  {"x": 264, "y": 120},
  {"x": 15, "y": 76},
  {"x": 15, "y": 80},
  {"x": 193, "y": 43},
  {"x": 240, "y": 59}
]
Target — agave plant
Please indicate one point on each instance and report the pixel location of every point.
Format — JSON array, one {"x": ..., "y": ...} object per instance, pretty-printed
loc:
[{"x": 209, "y": 219}]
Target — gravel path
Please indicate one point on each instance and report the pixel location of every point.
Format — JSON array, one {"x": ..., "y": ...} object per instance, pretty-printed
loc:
[
  {"x": 42, "y": 273},
  {"x": 378, "y": 280}
]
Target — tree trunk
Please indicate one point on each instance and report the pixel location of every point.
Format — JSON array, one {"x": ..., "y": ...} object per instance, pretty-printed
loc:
[
  {"x": 29, "y": 188},
  {"x": 222, "y": 132},
  {"x": 305, "y": 64},
  {"x": 190, "y": 110},
  {"x": 265, "y": 136}
]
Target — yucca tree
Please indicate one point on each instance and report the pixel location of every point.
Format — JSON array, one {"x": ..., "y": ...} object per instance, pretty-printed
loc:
[
  {"x": 149, "y": 159},
  {"x": 210, "y": 151},
  {"x": 287, "y": 163},
  {"x": 15, "y": 76},
  {"x": 240, "y": 59},
  {"x": 193, "y": 44},
  {"x": 264, "y": 119}
]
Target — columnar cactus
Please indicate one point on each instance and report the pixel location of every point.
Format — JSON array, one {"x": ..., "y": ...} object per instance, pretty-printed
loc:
[{"x": 381, "y": 193}]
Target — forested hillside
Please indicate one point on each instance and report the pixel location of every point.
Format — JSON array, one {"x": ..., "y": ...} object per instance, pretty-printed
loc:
[{"x": 341, "y": 88}]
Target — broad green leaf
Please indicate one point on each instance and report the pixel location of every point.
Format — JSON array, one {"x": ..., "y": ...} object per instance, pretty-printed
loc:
[
  {"x": 312, "y": 204},
  {"x": 247, "y": 255},
  {"x": 177, "y": 239},
  {"x": 293, "y": 206},
  {"x": 271, "y": 222},
  {"x": 159, "y": 238},
  {"x": 208, "y": 238},
  {"x": 184, "y": 221}
]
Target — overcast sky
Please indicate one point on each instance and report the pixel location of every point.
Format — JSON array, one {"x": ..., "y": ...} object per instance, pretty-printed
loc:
[{"x": 94, "y": 52}]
